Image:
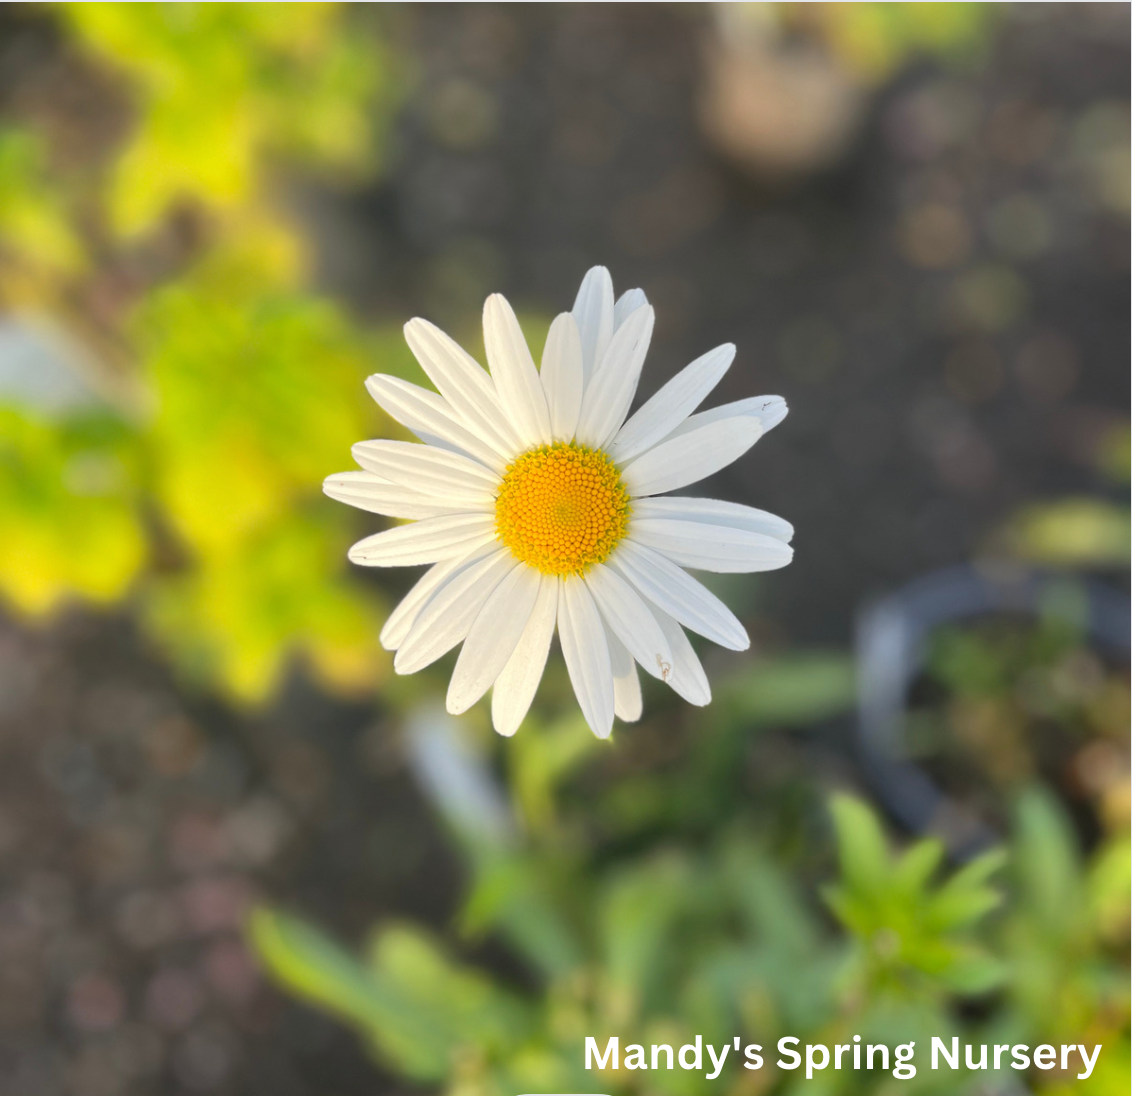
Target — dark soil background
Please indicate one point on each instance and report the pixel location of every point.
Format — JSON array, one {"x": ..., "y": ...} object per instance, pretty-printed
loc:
[{"x": 939, "y": 377}]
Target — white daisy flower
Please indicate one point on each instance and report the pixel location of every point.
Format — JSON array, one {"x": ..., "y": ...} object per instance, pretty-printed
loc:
[{"x": 534, "y": 498}]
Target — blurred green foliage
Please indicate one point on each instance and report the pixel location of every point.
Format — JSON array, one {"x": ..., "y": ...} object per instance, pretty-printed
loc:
[
  {"x": 1078, "y": 531},
  {"x": 1072, "y": 532},
  {"x": 41, "y": 248},
  {"x": 225, "y": 392},
  {"x": 68, "y": 496},
  {"x": 1010, "y": 703},
  {"x": 906, "y": 926},
  {"x": 874, "y": 40},
  {"x": 668, "y": 898},
  {"x": 718, "y": 939},
  {"x": 255, "y": 387},
  {"x": 282, "y": 79}
]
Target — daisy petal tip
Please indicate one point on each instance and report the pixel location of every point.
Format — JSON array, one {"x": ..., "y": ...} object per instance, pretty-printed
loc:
[
  {"x": 627, "y": 304},
  {"x": 456, "y": 705},
  {"x": 506, "y": 730},
  {"x": 405, "y": 663},
  {"x": 373, "y": 386},
  {"x": 773, "y": 411},
  {"x": 601, "y": 730},
  {"x": 496, "y": 303}
]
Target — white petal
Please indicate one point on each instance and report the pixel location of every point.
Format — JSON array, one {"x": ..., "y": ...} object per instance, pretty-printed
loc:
[
  {"x": 436, "y": 473},
  {"x": 687, "y": 676},
  {"x": 513, "y": 370},
  {"x": 493, "y": 636},
  {"x": 586, "y": 653},
  {"x": 430, "y": 418},
  {"x": 369, "y": 492},
  {"x": 675, "y": 592},
  {"x": 561, "y": 376},
  {"x": 711, "y": 547},
  {"x": 593, "y": 313},
  {"x": 448, "y": 614},
  {"x": 768, "y": 410},
  {"x": 427, "y": 541},
  {"x": 402, "y": 618},
  {"x": 715, "y": 512},
  {"x": 463, "y": 383},
  {"x": 678, "y": 461},
  {"x": 627, "y": 616},
  {"x": 627, "y": 304},
  {"x": 609, "y": 392},
  {"x": 672, "y": 404},
  {"x": 515, "y": 687},
  {"x": 627, "y": 705}
]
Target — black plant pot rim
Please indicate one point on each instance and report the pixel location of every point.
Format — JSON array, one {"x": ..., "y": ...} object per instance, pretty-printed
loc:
[{"x": 891, "y": 645}]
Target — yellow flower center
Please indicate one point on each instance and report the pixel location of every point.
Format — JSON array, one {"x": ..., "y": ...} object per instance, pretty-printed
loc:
[{"x": 561, "y": 508}]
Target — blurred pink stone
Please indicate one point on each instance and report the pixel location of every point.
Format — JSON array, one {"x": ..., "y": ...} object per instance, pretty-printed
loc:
[
  {"x": 96, "y": 1003},
  {"x": 197, "y": 842},
  {"x": 232, "y": 972},
  {"x": 173, "y": 999},
  {"x": 216, "y": 903},
  {"x": 203, "y": 1058}
]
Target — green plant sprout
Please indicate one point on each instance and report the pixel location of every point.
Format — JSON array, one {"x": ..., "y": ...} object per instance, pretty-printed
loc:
[{"x": 677, "y": 939}]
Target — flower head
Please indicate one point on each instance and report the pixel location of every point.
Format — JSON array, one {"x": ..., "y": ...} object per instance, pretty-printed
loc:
[{"x": 534, "y": 498}]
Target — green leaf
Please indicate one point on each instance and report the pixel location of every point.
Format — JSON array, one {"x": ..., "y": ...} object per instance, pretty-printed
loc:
[
  {"x": 861, "y": 846},
  {"x": 462, "y": 1006},
  {"x": 1046, "y": 862},
  {"x": 516, "y": 895},
  {"x": 636, "y": 914},
  {"x": 964, "y": 898},
  {"x": 916, "y": 867},
  {"x": 974, "y": 972},
  {"x": 541, "y": 758},
  {"x": 317, "y": 969},
  {"x": 771, "y": 903},
  {"x": 905, "y": 926},
  {"x": 1108, "y": 885},
  {"x": 413, "y": 1005},
  {"x": 313, "y": 965},
  {"x": 791, "y": 691}
]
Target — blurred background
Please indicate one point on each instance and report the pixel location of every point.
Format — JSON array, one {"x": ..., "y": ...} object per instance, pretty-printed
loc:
[{"x": 238, "y": 856}]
